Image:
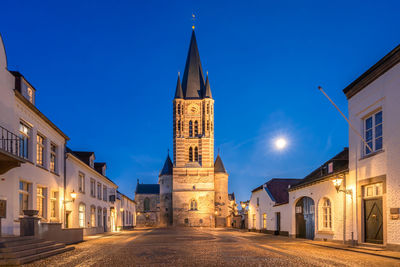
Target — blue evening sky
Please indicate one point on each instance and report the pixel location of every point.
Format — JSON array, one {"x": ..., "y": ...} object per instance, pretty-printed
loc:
[{"x": 105, "y": 73}]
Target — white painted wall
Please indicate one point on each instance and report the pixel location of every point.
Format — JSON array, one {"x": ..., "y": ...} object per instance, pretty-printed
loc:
[
  {"x": 74, "y": 166},
  {"x": 266, "y": 206},
  {"x": 383, "y": 93},
  {"x": 318, "y": 192}
]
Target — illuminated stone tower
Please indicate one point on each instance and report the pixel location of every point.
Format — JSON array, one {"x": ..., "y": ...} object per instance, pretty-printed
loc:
[{"x": 193, "y": 179}]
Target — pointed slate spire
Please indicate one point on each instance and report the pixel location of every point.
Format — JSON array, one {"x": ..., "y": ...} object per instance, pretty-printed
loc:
[
  {"x": 207, "y": 93},
  {"x": 178, "y": 91},
  {"x": 167, "y": 168},
  {"x": 218, "y": 165},
  {"x": 193, "y": 78}
]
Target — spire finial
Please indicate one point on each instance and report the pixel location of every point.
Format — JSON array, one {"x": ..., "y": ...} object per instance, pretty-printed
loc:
[
  {"x": 193, "y": 19},
  {"x": 207, "y": 72},
  {"x": 168, "y": 151},
  {"x": 179, "y": 74}
]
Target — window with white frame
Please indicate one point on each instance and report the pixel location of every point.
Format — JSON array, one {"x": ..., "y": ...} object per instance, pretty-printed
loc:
[
  {"x": 53, "y": 157},
  {"x": 24, "y": 196},
  {"x": 25, "y": 134},
  {"x": 99, "y": 191},
  {"x": 41, "y": 201},
  {"x": 82, "y": 214},
  {"x": 99, "y": 210},
  {"x": 93, "y": 216},
  {"x": 92, "y": 187},
  {"x": 326, "y": 214},
  {"x": 40, "y": 150},
  {"x": 373, "y": 190},
  {"x": 104, "y": 193},
  {"x": 81, "y": 182},
  {"x": 54, "y": 204},
  {"x": 373, "y": 132}
]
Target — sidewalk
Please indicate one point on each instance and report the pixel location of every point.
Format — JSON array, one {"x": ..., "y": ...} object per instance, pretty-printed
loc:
[{"x": 376, "y": 251}]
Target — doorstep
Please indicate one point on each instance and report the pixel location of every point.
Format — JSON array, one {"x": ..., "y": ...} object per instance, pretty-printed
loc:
[{"x": 379, "y": 251}]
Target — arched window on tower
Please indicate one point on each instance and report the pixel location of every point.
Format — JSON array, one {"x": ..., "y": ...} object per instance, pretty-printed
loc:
[
  {"x": 190, "y": 154},
  {"x": 196, "y": 154},
  {"x": 190, "y": 129},
  {"x": 179, "y": 126},
  {"x": 208, "y": 125},
  {"x": 183, "y": 123},
  {"x": 179, "y": 108},
  {"x": 208, "y": 108},
  {"x": 193, "y": 204},
  {"x": 196, "y": 128}
]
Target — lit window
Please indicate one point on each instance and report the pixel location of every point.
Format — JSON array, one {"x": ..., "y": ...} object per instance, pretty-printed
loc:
[
  {"x": 40, "y": 150},
  {"x": 24, "y": 192},
  {"x": 193, "y": 204},
  {"x": 82, "y": 214},
  {"x": 30, "y": 94},
  {"x": 93, "y": 216},
  {"x": 373, "y": 132},
  {"x": 330, "y": 167},
  {"x": 24, "y": 133},
  {"x": 41, "y": 201},
  {"x": 54, "y": 204},
  {"x": 190, "y": 154},
  {"x": 53, "y": 157},
  {"x": 326, "y": 214}
]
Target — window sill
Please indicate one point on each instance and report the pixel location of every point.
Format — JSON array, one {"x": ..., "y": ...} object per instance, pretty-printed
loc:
[
  {"x": 55, "y": 173},
  {"x": 42, "y": 167},
  {"x": 372, "y": 154},
  {"x": 325, "y": 232}
]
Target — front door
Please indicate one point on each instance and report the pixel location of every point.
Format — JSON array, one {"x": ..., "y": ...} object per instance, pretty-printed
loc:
[
  {"x": 373, "y": 220},
  {"x": 278, "y": 222},
  {"x": 305, "y": 218}
]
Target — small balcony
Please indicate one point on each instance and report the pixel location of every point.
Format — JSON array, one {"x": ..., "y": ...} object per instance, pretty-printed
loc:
[{"x": 12, "y": 150}]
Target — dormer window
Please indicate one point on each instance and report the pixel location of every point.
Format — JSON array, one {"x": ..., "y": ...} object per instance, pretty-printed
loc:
[
  {"x": 330, "y": 167},
  {"x": 30, "y": 94},
  {"x": 91, "y": 162}
]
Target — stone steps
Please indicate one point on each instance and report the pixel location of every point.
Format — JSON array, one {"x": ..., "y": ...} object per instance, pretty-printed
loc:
[{"x": 23, "y": 250}]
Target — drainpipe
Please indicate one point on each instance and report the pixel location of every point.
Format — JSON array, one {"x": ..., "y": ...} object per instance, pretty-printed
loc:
[
  {"x": 344, "y": 209},
  {"x": 65, "y": 184}
]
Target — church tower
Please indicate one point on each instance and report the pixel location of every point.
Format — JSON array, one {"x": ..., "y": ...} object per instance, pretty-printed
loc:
[{"x": 193, "y": 190}]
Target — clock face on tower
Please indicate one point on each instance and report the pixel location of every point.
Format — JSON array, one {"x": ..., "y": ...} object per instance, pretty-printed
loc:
[{"x": 193, "y": 109}]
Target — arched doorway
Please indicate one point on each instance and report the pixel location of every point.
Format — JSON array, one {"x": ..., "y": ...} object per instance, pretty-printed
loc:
[{"x": 305, "y": 218}]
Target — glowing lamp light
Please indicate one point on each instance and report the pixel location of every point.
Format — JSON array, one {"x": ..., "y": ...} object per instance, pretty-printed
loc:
[
  {"x": 337, "y": 182},
  {"x": 73, "y": 195},
  {"x": 280, "y": 143},
  {"x": 243, "y": 205}
]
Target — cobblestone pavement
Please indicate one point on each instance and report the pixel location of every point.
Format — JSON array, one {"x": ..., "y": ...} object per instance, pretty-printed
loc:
[{"x": 206, "y": 247}]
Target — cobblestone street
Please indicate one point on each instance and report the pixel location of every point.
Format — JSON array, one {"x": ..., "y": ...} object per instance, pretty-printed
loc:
[{"x": 205, "y": 247}]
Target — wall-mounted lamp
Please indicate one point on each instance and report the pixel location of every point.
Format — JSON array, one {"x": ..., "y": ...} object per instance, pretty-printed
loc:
[
  {"x": 337, "y": 182},
  {"x": 73, "y": 196}
]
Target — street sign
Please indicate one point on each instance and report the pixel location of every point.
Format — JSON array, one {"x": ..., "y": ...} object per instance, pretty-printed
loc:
[{"x": 3, "y": 208}]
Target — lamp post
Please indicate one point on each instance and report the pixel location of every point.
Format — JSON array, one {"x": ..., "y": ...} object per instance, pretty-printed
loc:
[{"x": 244, "y": 205}]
